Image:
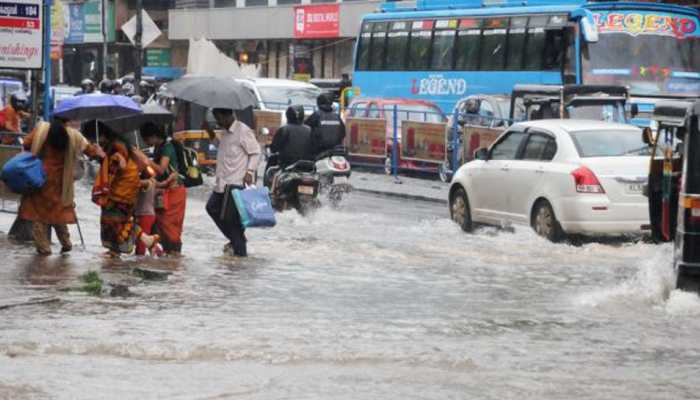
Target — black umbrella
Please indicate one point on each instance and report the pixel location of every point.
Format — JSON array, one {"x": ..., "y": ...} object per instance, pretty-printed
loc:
[
  {"x": 152, "y": 112},
  {"x": 212, "y": 92}
]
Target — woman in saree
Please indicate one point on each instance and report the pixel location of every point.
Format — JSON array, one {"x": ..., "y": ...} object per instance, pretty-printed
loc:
[
  {"x": 170, "y": 210},
  {"x": 116, "y": 191},
  {"x": 58, "y": 146}
]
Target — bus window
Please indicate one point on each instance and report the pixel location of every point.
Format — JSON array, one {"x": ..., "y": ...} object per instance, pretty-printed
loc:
[
  {"x": 396, "y": 45},
  {"x": 443, "y": 44},
  {"x": 419, "y": 46},
  {"x": 535, "y": 49},
  {"x": 516, "y": 43},
  {"x": 467, "y": 51},
  {"x": 554, "y": 49},
  {"x": 378, "y": 48},
  {"x": 493, "y": 45},
  {"x": 363, "y": 48}
]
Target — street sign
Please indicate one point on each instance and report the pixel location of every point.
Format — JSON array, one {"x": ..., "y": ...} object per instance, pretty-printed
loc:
[
  {"x": 21, "y": 36},
  {"x": 150, "y": 29}
]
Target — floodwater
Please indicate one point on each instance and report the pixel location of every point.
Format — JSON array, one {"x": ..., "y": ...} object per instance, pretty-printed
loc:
[{"x": 383, "y": 299}]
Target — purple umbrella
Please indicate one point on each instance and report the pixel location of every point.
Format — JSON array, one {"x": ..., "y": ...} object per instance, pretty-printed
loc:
[{"x": 96, "y": 106}]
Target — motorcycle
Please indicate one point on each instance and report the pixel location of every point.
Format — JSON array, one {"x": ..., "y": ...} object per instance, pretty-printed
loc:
[
  {"x": 334, "y": 174},
  {"x": 294, "y": 187}
]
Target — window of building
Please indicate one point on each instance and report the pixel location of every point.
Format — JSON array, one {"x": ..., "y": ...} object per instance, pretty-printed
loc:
[
  {"x": 283, "y": 2},
  {"x": 253, "y": 3},
  {"x": 419, "y": 45}
]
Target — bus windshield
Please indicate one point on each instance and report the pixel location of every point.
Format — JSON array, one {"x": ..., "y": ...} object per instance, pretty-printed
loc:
[{"x": 654, "y": 54}]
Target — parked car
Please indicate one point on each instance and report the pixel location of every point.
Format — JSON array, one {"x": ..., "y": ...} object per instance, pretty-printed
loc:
[
  {"x": 408, "y": 110},
  {"x": 278, "y": 94},
  {"x": 560, "y": 177}
]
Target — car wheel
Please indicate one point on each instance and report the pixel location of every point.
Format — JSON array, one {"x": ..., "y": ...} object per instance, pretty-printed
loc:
[
  {"x": 545, "y": 223},
  {"x": 442, "y": 172},
  {"x": 460, "y": 210}
]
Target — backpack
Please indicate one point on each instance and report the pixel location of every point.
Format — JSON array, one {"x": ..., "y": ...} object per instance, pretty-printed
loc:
[
  {"x": 24, "y": 173},
  {"x": 187, "y": 165}
]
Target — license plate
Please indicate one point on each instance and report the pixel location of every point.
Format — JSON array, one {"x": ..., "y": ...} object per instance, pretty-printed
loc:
[
  {"x": 340, "y": 180},
  {"x": 635, "y": 188},
  {"x": 305, "y": 189}
]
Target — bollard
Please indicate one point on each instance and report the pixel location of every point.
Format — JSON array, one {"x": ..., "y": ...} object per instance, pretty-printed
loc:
[{"x": 395, "y": 144}]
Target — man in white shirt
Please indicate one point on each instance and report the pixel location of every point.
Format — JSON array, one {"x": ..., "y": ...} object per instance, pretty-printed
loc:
[{"x": 236, "y": 165}]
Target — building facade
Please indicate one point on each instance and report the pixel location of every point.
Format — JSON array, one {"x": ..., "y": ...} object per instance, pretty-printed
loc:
[{"x": 299, "y": 39}]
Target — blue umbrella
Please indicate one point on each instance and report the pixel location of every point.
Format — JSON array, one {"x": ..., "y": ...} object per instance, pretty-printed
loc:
[{"x": 96, "y": 106}]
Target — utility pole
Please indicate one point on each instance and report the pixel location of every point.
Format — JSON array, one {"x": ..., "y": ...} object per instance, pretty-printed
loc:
[
  {"x": 104, "y": 4},
  {"x": 47, "y": 59},
  {"x": 139, "y": 48}
]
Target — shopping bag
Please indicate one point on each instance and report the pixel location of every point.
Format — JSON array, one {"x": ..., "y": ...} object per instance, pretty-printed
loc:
[
  {"x": 24, "y": 173},
  {"x": 254, "y": 207}
]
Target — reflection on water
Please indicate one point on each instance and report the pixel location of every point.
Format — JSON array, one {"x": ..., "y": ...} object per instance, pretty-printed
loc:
[{"x": 382, "y": 299}]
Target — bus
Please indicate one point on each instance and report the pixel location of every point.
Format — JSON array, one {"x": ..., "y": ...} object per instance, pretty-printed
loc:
[{"x": 445, "y": 50}]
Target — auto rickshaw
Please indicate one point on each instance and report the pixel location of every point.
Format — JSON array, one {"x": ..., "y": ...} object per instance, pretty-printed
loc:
[{"x": 687, "y": 239}]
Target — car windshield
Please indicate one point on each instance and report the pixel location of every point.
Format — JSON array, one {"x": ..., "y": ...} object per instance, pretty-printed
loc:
[
  {"x": 280, "y": 97},
  {"x": 610, "y": 143},
  {"x": 655, "y": 54},
  {"x": 599, "y": 112},
  {"x": 413, "y": 112}
]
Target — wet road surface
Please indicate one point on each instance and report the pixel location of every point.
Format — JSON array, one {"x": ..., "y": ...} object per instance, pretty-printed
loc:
[{"x": 383, "y": 299}]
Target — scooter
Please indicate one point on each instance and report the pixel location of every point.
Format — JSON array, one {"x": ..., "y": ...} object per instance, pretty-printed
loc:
[
  {"x": 296, "y": 186},
  {"x": 334, "y": 174}
]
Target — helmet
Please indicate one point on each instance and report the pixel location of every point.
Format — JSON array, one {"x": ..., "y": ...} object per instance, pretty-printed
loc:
[
  {"x": 87, "y": 85},
  {"x": 324, "y": 101},
  {"x": 117, "y": 87},
  {"x": 106, "y": 86},
  {"x": 295, "y": 114},
  {"x": 128, "y": 89},
  {"x": 19, "y": 100}
]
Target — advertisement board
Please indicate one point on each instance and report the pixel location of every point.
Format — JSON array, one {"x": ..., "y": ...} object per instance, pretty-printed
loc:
[
  {"x": 57, "y": 29},
  {"x": 271, "y": 120},
  {"x": 423, "y": 141},
  {"x": 84, "y": 22},
  {"x": 21, "y": 34},
  {"x": 477, "y": 138},
  {"x": 366, "y": 137},
  {"x": 317, "y": 21}
]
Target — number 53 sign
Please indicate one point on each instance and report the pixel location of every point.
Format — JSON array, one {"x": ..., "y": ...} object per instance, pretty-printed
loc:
[{"x": 21, "y": 37}]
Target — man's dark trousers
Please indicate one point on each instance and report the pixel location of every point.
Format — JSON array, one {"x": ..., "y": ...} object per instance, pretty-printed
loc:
[{"x": 222, "y": 210}]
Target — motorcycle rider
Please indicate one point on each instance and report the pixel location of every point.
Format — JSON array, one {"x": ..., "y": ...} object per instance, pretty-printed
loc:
[
  {"x": 293, "y": 142},
  {"x": 327, "y": 128},
  {"x": 87, "y": 86},
  {"x": 106, "y": 86},
  {"x": 14, "y": 113}
]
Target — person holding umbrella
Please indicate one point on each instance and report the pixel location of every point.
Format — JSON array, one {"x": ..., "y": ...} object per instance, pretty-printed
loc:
[
  {"x": 236, "y": 165},
  {"x": 58, "y": 146}
]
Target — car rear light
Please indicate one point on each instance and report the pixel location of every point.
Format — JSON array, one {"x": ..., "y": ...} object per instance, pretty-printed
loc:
[{"x": 586, "y": 181}]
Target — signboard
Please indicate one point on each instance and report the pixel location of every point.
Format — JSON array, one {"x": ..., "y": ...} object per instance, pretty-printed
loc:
[
  {"x": 21, "y": 34},
  {"x": 366, "y": 137},
  {"x": 271, "y": 120},
  {"x": 317, "y": 21},
  {"x": 57, "y": 30},
  {"x": 150, "y": 29},
  {"x": 423, "y": 141},
  {"x": 158, "y": 57},
  {"x": 636, "y": 23},
  {"x": 84, "y": 22},
  {"x": 477, "y": 138}
]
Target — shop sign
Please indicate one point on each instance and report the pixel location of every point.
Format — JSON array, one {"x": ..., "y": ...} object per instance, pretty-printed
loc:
[
  {"x": 423, "y": 141},
  {"x": 84, "y": 22},
  {"x": 21, "y": 36},
  {"x": 317, "y": 21},
  {"x": 366, "y": 137},
  {"x": 158, "y": 57},
  {"x": 57, "y": 30}
]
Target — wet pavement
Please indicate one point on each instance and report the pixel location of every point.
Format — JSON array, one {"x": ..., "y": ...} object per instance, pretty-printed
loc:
[{"x": 382, "y": 299}]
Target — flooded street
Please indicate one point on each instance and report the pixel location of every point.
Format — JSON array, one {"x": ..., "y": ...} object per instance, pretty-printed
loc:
[{"x": 382, "y": 299}]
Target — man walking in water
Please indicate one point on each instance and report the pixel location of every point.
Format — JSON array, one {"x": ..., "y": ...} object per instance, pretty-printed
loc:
[{"x": 236, "y": 165}]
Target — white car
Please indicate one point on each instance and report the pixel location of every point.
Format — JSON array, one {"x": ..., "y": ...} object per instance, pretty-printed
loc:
[
  {"x": 278, "y": 94},
  {"x": 558, "y": 176}
]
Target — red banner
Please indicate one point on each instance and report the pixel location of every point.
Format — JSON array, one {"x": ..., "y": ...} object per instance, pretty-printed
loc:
[{"x": 317, "y": 21}]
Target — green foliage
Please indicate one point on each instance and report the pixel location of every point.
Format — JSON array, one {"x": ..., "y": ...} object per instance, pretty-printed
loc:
[{"x": 93, "y": 283}]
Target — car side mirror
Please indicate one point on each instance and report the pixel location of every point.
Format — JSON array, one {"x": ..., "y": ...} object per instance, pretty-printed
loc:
[
  {"x": 634, "y": 110},
  {"x": 646, "y": 136},
  {"x": 481, "y": 154}
]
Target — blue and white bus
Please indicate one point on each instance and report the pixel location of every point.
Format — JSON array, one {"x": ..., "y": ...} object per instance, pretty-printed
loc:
[{"x": 444, "y": 50}]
